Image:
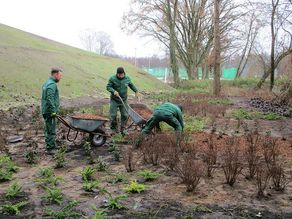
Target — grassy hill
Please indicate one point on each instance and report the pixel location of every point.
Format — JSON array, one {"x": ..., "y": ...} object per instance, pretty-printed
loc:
[{"x": 26, "y": 60}]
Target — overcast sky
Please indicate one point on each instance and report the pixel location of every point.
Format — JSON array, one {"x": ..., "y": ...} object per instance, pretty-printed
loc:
[{"x": 63, "y": 20}]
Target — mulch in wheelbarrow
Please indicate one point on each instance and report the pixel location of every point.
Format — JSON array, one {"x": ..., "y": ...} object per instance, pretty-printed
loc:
[
  {"x": 142, "y": 110},
  {"x": 88, "y": 116}
]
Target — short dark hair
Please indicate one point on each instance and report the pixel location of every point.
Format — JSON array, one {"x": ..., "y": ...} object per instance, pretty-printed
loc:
[
  {"x": 56, "y": 70},
  {"x": 181, "y": 108},
  {"x": 120, "y": 70}
]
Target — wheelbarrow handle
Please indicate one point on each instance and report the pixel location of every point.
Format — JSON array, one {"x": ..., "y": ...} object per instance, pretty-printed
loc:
[
  {"x": 126, "y": 107},
  {"x": 62, "y": 120}
]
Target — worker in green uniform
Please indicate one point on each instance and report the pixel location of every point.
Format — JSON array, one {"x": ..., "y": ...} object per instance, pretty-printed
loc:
[
  {"x": 118, "y": 87},
  {"x": 167, "y": 112},
  {"x": 50, "y": 107}
]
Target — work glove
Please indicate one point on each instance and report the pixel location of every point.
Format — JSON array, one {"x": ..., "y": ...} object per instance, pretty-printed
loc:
[
  {"x": 138, "y": 96},
  {"x": 116, "y": 93},
  {"x": 53, "y": 114}
]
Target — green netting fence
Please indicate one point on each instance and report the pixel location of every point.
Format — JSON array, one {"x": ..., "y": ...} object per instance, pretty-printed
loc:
[{"x": 163, "y": 73}]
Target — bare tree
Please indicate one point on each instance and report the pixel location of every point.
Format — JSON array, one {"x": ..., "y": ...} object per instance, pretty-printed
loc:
[
  {"x": 97, "y": 41},
  {"x": 217, "y": 49},
  {"x": 248, "y": 37},
  {"x": 155, "y": 18},
  {"x": 279, "y": 23}
]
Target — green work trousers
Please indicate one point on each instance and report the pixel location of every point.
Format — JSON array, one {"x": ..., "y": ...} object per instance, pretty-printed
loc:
[
  {"x": 50, "y": 132},
  {"x": 114, "y": 107},
  {"x": 161, "y": 116}
]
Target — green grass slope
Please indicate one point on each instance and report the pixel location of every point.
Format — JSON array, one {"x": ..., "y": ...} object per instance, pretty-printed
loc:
[{"x": 26, "y": 60}]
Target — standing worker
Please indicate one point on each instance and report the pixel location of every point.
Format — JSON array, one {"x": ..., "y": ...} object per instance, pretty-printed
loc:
[
  {"x": 167, "y": 112},
  {"x": 50, "y": 107},
  {"x": 118, "y": 87}
]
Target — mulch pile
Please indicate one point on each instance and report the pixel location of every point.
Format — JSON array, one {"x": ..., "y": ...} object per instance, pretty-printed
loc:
[
  {"x": 88, "y": 116},
  {"x": 142, "y": 110}
]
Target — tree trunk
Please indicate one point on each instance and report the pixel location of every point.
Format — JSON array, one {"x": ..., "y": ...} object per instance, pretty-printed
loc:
[
  {"x": 190, "y": 71},
  {"x": 172, "y": 43},
  {"x": 273, "y": 46},
  {"x": 217, "y": 49}
]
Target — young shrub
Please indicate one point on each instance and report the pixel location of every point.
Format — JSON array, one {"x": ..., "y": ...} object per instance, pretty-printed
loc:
[
  {"x": 87, "y": 173},
  {"x": 13, "y": 208},
  {"x": 251, "y": 153},
  {"x": 190, "y": 171},
  {"x": 117, "y": 155},
  {"x": 89, "y": 186},
  {"x": 54, "y": 195},
  {"x": 31, "y": 154},
  {"x": 262, "y": 178},
  {"x": 88, "y": 152},
  {"x": 59, "y": 157},
  {"x": 101, "y": 165},
  {"x": 67, "y": 211},
  {"x": 171, "y": 157},
  {"x": 279, "y": 178},
  {"x": 210, "y": 155},
  {"x": 152, "y": 148},
  {"x": 174, "y": 144},
  {"x": 135, "y": 187},
  {"x": 232, "y": 166},
  {"x": 14, "y": 190},
  {"x": 275, "y": 164},
  {"x": 149, "y": 175},
  {"x": 128, "y": 160},
  {"x": 271, "y": 151}
]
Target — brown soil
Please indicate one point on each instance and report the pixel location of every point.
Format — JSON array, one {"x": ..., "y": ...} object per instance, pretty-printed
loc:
[
  {"x": 88, "y": 116},
  {"x": 165, "y": 197}
]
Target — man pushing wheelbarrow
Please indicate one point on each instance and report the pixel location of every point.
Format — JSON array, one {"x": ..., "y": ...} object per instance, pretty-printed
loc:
[{"x": 118, "y": 87}]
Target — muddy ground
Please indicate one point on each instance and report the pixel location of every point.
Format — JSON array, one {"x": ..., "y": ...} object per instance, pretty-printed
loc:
[{"x": 165, "y": 197}]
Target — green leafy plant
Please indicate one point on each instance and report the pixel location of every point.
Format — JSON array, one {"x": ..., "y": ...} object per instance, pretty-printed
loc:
[
  {"x": 88, "y": 186},
  {"x": 118, "y": 138},
  {"x": 13, "y": 190},
  {"x": 65, "y": 212},
  {"x": 5, "y": 175},
  {"x": 87, "y": 173},
  {"x": 114, "y": 202},
  {"x": 13, "y": 208},
  {"x": 54, "y": 195},
  {"x": 251, "y": 115},
  {"x": 220, "y": 102},
  {"x": 101, "y": 165},
  {"x": 149, "y": 175},
  {"x": 47, "y": 177},
  {"x": 195, "y": 124},
  {"x": 7, "y": 168},
  {"x": 59, "y": 157},
  {"x": 135, "y": 187},
  {"x": 46, "y": 172},
  {"x": 99, "y": 213},
  {"x": 119, "y": 178},
  {"x": 112, "y": 147}
]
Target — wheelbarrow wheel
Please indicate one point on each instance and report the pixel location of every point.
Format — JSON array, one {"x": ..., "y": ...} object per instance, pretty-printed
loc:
[{"x": 98, "y": 140}]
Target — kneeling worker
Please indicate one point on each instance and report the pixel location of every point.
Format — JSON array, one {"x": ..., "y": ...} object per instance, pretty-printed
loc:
[{"x": 167, "y": 112}]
